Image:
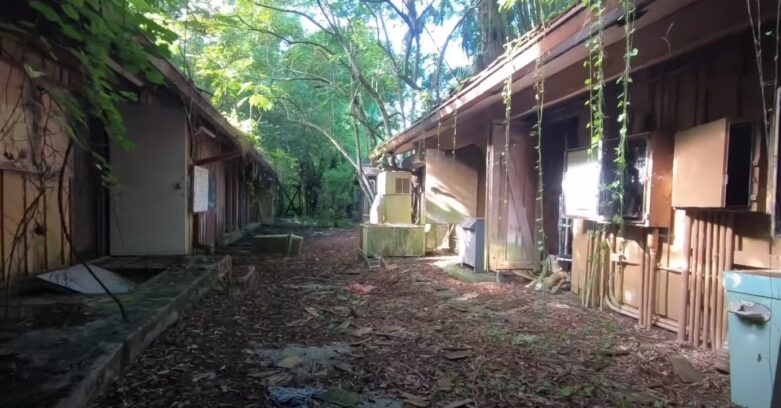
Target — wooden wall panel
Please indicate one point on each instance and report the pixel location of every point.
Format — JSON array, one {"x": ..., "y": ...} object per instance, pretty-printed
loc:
[
  {"x": 451, "y": 185},
  {"x": 31, "y": 239},
  {"x": 211, "y": 224},
  {"x": 699, "y": 166},
  {"x": 511, "y": 207}
]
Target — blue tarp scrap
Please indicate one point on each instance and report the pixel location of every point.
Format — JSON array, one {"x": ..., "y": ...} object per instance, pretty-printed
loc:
[{"x": 293, "y": 397}]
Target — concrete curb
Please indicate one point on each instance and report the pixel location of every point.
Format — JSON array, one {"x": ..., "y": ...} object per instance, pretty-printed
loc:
[{"x": 119, "y": 357}]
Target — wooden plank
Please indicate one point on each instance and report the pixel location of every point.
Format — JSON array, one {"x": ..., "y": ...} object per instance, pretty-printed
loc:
[
  {"x": 451, "y": 187},
  {"x": 13, "y": 208},
  {"x": 699, "y": 166},
  {"x": 660, "y": 188}
]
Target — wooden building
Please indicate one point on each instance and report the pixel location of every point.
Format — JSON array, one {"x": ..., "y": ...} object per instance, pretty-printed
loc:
[
  {"x": 700, "y": 191},
  {"x": 156, "y": 207}
]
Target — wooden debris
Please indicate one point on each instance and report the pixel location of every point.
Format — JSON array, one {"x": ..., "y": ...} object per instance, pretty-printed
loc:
[{"x": 458, "y": 355}]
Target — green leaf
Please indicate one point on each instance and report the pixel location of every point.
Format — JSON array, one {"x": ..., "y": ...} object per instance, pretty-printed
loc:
[
  {"x": 72, "y": 33},
  {"x": 47, "y": 12},
  {"x": 260, "y": 101},
  {"x": 32, "y": 72},
  {"x": 70, "y": 11}
]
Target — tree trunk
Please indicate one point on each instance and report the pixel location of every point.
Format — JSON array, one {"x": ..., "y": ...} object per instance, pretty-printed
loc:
[{"x": 494, "y": 33}]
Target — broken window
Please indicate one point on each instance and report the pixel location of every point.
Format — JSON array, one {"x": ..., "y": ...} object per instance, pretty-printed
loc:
[
  {"x": 739, "y": 163},
  {"x": 634, "y": 178}
]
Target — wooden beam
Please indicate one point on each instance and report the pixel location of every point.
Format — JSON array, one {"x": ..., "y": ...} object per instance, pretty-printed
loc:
[{"x": 224, "y": 157}]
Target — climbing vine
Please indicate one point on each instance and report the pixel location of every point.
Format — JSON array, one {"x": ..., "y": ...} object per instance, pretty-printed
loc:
[
  {"x": 98, "y": 35},
  {"x": 596, "y": 77},
  {"x": 539, "y": 98},
  {"x": 624, "y": 81},
  {"x": 97, "y": 39},
  {"x": 455, "y": 132},
  {"x": 507, "y": 95},
  {"x": 595, "y": 83},
  {"x": 439, "y": 132}
]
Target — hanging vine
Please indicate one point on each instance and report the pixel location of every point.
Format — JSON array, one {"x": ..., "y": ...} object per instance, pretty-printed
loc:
[
  {"x": 439, "y": 132},
  {"x": 455, "y": 132},
  {"x": 595, "y": 83},
  {"x": 596, "y": 78},
  {"x": 95, "y": 36},
  {"x": 624, "y": 81},
  {"x": 505, "y": 159},
  {"x": 539, "y": 99}
]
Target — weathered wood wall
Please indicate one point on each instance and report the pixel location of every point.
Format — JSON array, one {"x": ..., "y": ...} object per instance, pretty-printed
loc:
[
  {"x": 33, "y": 144},
  {"x": 718, "y": 81},
  {"x": 210, "y": 226}
]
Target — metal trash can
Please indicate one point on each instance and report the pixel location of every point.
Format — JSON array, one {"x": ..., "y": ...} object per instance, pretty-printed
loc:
[
  {"x": 471, "y": 247},
  {"x": 754, "y": 335}
]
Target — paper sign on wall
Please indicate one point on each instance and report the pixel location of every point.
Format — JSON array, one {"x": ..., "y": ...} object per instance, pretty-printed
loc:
[{"x": 200, "y": 189}]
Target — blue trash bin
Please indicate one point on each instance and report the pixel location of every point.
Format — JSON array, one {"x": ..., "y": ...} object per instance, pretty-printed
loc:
[{"x": 754, "y": 335}]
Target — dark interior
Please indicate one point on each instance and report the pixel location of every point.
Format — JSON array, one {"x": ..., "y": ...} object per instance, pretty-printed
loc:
[
  {"x": 635, "y": 154},
  {"x": 739, "y": 165}
]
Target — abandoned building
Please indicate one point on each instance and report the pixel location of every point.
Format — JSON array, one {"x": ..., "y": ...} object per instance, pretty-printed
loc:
[
  {"x": 701, "y": 194},
  {"x": 190, "y": 182}
]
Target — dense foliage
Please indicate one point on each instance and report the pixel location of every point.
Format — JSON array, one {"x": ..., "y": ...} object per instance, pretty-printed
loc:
[
  {"x": 315, "y": 84},
  {"x": 318, "y": 84}
]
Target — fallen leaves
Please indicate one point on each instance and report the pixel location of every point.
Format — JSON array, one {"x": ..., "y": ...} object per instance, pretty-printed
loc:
[
  {"x": 685, "y": 370},
  {"x": 312, "y": 311},
  {"x": 208, "y": 375},
  {"x": 503, "y": 347},
  {"x": 458, "y": 404},
  {"x": 458, "y": 355},
  {"x": 414, "y": 400},
  {"x": 360, "y": 289},
  {"x": 290, "y": 362},
  {"x": 362, "y": 331}
]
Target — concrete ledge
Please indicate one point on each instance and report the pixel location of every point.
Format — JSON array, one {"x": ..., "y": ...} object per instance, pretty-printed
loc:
[
  {"x": 233, "y": 236},
  {"x": 465, "y": 274},
  {"x": 68, "y": 366}
]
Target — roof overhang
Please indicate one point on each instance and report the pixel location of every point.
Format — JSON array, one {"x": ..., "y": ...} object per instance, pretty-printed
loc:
[
  {"x": 206, "y": 110},
  {"x": 559, "y": 46}
]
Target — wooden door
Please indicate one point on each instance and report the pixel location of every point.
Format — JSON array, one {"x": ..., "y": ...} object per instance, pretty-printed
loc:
[
  {"x": 149, "y": 208},
  {"x": 510, "y": 201}
]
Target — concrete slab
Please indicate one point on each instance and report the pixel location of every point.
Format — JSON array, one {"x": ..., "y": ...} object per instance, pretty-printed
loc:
[
  {"x": 64, "y": 363},
  {"x": 463, "y": 273},
  {"x": 284, "y": 244},
  {"x": 78, "y": 279}
]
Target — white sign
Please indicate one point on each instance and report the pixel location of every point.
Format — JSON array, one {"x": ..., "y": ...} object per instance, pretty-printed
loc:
[{"x": 200, "y": 189}]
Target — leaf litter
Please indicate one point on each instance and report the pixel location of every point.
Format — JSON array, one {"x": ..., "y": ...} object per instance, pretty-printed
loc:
[{"x": 505, "y": 347}]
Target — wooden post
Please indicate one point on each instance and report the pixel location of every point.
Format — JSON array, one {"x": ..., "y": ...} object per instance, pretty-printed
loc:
[
  {"x": 707, "y": 282},
  {"x": 695, "y": 337},
  {"x": 684, "y": 295}
]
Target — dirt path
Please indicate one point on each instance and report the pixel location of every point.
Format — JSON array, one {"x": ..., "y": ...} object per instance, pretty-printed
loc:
[{"x": 418, "y": 336}]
